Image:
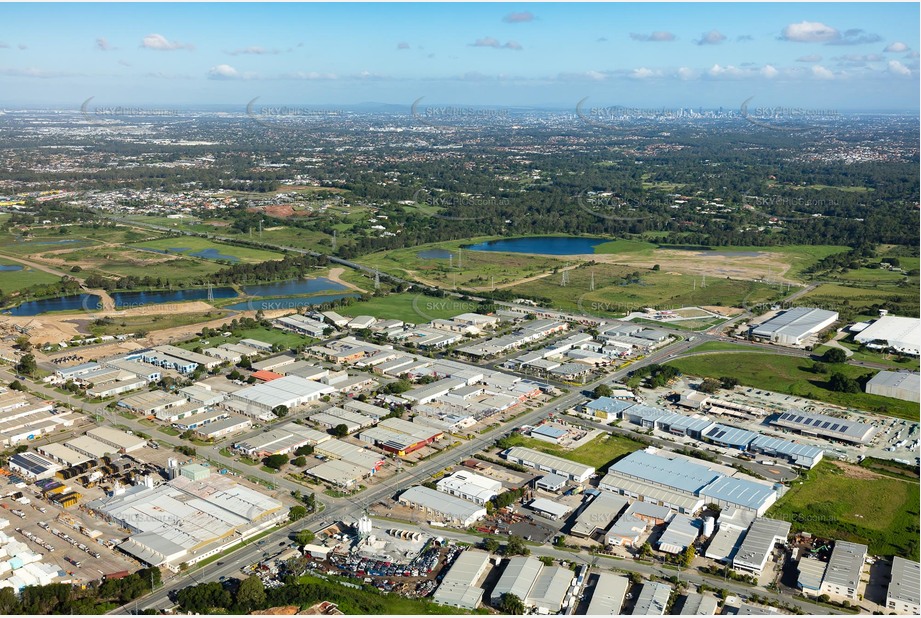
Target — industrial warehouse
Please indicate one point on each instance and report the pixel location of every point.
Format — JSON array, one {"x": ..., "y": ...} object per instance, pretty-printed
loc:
[
  {"x": 902, "y": 385},
  {"x": 793, "y": 326},
  {"x": 191, "y": 517},
  {"x": 549, "y": 463},
  {"x": 829, "y": 427},
  {"x": 687, "y": 485},
  {"x": 890, "y": 333}
]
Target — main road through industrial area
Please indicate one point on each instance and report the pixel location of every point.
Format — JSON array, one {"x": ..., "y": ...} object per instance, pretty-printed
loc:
[{"x": 350, "y": 509}]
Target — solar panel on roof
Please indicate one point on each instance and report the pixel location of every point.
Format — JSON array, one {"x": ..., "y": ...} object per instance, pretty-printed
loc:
[
  {"x": 835, "y": 427},
  {"x": 843, "y": 428},
  {"x": 826, "y": 424},
  {"x": 817, "y": 422},
  {"x": 713, "y": 431},
  {"x": 799, "y": 419}
]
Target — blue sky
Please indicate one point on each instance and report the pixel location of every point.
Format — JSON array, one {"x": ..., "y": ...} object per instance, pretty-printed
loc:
[{"x": 841, "y": 56}]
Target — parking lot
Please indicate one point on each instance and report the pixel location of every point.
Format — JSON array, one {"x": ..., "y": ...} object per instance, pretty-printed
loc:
[{"x": 34, "y": 523}]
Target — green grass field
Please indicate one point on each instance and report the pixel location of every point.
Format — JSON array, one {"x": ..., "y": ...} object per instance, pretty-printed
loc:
[
  {"x": 12, "y": 280},
  {"x": 613, "y": 296},
  {"x": 146, "y": 323},
  {"x": 479, "y": 269},
  {"x": 193, "y": 244},
  {"x": 852, "y": 300},
  {"x": 412, "y": 308},
  {"x": 127, "y": 262},
  {"x": 880, "y": 512},
  {"x": 600, "y": 453},
  {"x": 268, "y": 335},
  {"x": 793, "y": 376}
]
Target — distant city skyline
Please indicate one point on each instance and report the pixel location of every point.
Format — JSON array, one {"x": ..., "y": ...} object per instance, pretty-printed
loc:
[{"x": 841, "y": 56}]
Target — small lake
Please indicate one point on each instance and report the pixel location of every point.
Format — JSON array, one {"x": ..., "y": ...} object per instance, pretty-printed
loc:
[
  {"x": 8, "y": 268},
  {"x": 434, "y": 254},
  {"x": 214, "y": 254},
  {"x": 63, "y": 303},
  {"x": 545, "y": 245},
  {"x": 289, "y": 303},
  {"x": 295, "y": 286},
  {"x": 126, "y": 300}
]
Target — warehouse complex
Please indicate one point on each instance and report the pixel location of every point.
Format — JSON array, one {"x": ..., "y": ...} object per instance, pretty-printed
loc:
[
  {"x": 443, "y": 506},
  {"x": 549, "y": 463},
  {"x": 828, "y": 427},
  {"x": 186, "y": 520},
  {"x": 459, "y": 588},
  {"x": 683, "y": 485},
  {"x": 793, "y": 326},
  {"x": 892, "y": 332},
  {"x": 542, "y": 588}
]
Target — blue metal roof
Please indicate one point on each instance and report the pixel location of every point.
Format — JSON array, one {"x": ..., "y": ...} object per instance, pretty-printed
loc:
[
  {"x": 609, "y": 405},
  {"x": 733, "y": 436},
  {"x": 550, "y": 432},
  {"x": 738, "y": 491},
  {"x": 786, "y": 447},
  {"x": 676, "y": 473}
]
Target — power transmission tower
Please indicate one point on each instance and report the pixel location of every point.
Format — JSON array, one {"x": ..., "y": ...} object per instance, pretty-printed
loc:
[
  {"x": 592, "y": 284},
  {"x": 334, "y": 240},
  {"x": 377, "y": 281},
  {"x": 210, "y": 293}
]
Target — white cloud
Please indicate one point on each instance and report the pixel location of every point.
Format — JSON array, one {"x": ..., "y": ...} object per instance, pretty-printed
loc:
[
  {"x": 897, "y": 68},
  {"x": 897, "y": 46},
  {"x": 518, "y": 18},
  {"x": 102, "y": 44},
  {"x": 809, "y": 32},
  {"x": 729, "y": 71},
  {"x": 310, "y": 76},
  {"x": 769, "y": 72},
  {"x": 810, "y": 58},
  {"x": 644, "y": 73},
  {"x": 489, "y": 41},
  {"x": 223, "y": 71},
  {"x": 161, "y": 43},
  {"x": 714, "y": 37},
  {"x": 821, "y": 72},
  {"x": 856, "y": 36},
  {"x": 655, "y": 37},
  {"x": 686, "y": 73}
]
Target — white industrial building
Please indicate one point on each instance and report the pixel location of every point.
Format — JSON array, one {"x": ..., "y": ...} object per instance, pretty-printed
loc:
[
  {"x": 842, "y": 575},
  {"x": 549, "y": 463},
  {"x": 469, "y": 486},
  {"x": 793, "y": 326},
  {"x": 893, "y": 332},
  {"x": 187, "y": 520},
  {"x": 442, "y": 506},
  {"x": 608, "y": 595},
  {"x": 680, "y": 534},
  {"x": 117, "y": 439},
  {"x": 598, "y": 514},
  {"x": 459, "y": 586},
  {"x": 289, "y": 391},
  {"x": 821, "y": 425},
  {"x": 903, "y": 595},
  {"x": 759, "y": 543},
  {"x": 897, "y": 384},
  {"x": 653, "y": 599},
  {"x": 542, "y": 588}
]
